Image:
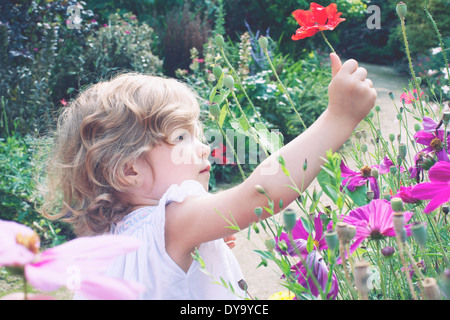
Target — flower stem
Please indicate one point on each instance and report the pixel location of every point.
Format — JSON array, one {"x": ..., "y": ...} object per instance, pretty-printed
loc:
[
  {"x": 284, "y": 88},
  {"x": 383, "y": 284},
  {"x": 25, "y": 288},
  {"x": 326, "y": 41},
  {"x": 234, "y": 151},
  {"x": 241, "y": 86},
  {"x": 413, "y": 74},
  {"x": 405, "y": 266}
]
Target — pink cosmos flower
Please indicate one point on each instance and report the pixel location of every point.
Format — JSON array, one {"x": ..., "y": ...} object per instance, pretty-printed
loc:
[
  {"x": 409, "y": 97},
  {"x": 320, "y": 270},
  {"x": 353, "y": 179},
  {"x": 63, "y": 102},
  {"x": 434, "y": 142},
  {"x": 405, "y": 194},
  {"x": 373, "y": 221},
  {"x": 78, "y": 264},
  {"x": 438, "y": 189},
  {"x": 314, "y": 259},
  {"x": 300, "y": 233}
]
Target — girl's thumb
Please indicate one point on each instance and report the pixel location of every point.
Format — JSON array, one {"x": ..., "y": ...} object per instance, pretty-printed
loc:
[{"x": 336, "y": 64}]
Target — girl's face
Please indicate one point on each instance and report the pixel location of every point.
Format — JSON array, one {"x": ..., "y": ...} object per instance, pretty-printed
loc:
[{"x": 185, "y": 159}]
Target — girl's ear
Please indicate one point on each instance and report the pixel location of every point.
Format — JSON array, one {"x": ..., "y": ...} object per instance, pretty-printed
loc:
[{"x": 129, "y": 174}]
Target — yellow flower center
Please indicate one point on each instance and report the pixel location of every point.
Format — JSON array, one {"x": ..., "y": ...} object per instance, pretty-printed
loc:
[{"x": 31, "y": 242}]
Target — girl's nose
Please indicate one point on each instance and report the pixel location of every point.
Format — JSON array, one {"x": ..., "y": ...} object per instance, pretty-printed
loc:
[{"x": 203, "y": 150}]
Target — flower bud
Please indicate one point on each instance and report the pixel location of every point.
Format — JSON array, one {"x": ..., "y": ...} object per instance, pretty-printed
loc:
[
  {"x": 341, "y": 230},
  {"x": 417, "y": 127},
  {"x": 331, "y": 239},
  {"x": 377, "y": 108},
  {"x": 391, "y": 95},
  {"x": 263, "y": 43},
  {"x": 243, "y": 285},
  {"x": 358, "y": 135},
  {"x": 364, "y": 148},
  {"x": 217, "y": 72},
  {"x": 387, "y": 196},
  {"x": 270, "y": 244},
  {"x": 258, "y": 211},
  {"x": 370, "y": 195},
  {"x": 260, "y": 189},
  {"x": 398, "y": 220},
  {"x": 214, "y": 110},
  {"x": 375, "y": 173},
  {"x": 446, "y": 117},
  {"x": 289, "y": 217},
  {"x": 393, "y": 169},
  {"x": 351, "y": 232},
  {"x": 255, "y": 227},
  {"x": 397, "y": 204},
  {"x": 401, "y": 10},
  {"x": 305, "y": 165},
  {"x": 402, "y": 150},
  {"x": 419, "y": 233},
  {"x": 391, "y": 137},
  {"x": 228, "y": 81},
  {"x": 220, "y": 41},
  {"x": 387, "y": 251},
  {"x": 431, "y": 289}
]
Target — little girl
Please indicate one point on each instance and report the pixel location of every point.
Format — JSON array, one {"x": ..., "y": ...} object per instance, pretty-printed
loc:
[{"x": 117, "y": 169}]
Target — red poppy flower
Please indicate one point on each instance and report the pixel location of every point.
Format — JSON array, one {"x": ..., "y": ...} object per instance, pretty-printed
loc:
[
  {"x": 316, "y": 19},
  {"x": 219, "y": 154}
]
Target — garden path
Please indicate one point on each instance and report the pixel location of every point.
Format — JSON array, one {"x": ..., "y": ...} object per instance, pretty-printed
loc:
[{"x": 264, "y": 281}]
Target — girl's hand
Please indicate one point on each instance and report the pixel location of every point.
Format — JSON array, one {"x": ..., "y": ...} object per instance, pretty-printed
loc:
[
  {"x": 230, "y": 241},
  {"x": 351, "y": 94}
]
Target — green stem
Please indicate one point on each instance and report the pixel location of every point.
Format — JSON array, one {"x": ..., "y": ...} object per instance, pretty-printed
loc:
[
  {"x": 408, "y": 54},
  {"x": 284, "y": 88},
  {"x": 234, "y": 151},
  {"x": 242, "y": 87},
  {"x": 400, "y": 290},
  {"x": 328, "y": 43},
  {"x": 383, "y": 284}
]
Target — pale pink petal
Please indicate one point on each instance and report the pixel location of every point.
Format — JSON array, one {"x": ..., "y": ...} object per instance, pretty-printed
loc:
[
  {"x": 12, "y": 253},
  {"x": 107, "y": 288}
]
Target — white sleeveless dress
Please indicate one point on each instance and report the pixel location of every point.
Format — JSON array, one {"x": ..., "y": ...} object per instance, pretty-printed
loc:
[{"x": 153, "y": 268}]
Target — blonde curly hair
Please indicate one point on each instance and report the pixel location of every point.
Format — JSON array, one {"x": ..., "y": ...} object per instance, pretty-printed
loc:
[{"x": 106, "y": 126}]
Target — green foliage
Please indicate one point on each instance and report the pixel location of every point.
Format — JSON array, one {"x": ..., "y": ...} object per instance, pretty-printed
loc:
[
  {"x": 17, "y": 189},
  {"x": 123, "y": 43}
]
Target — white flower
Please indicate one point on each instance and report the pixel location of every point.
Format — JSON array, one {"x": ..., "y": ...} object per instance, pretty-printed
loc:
[
  {"x": 445, "y": 89},
  {"x": 436, "y": 50}
]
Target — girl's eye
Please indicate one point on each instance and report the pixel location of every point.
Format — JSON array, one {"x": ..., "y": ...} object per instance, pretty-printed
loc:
[{"x": 180, "y": 137}]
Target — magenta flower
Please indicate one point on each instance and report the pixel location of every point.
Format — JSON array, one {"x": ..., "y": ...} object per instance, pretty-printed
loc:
[
  {"x": 320, "y": 270},
  {"x": 78, "y": 264},
  {"x": 438, "y": 189},
  {"x": 373, "y": 221},
  {"x": 300, "y": 233},
  {"x": 405, "y": 194},
  {"x": 434, "y": 142},
  {"x": 353, "y": 179}
]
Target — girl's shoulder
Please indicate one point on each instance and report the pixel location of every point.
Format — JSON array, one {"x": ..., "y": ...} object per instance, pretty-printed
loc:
[{"x": 155, "y": 215}]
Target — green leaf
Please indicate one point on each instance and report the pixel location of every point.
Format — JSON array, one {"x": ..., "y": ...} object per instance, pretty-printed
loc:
[{"x": 310, "y": 243}]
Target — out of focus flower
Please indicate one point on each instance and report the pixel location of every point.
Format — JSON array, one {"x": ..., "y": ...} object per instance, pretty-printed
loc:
[
  {"x": 78, "y": 264},
  {"x": 437, "y": 190},
  {"x": 408, "y": 97},
  {"x": 299, "y": 233},
  {"x": 320, "y": 270}
]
